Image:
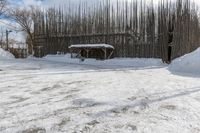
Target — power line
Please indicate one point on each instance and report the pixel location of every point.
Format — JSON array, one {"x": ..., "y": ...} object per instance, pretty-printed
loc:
[{"x": 9, "y": 25}]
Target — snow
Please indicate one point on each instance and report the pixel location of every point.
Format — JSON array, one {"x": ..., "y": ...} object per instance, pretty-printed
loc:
[
  {"x": 57, "y": 94},
  {"x": 18, "y": 45},
  {"x": 91, "y": 46},
  {"x": 188, "y": 64},
  {"x": 111, "y": 63},
  {"x": 5, "y": 55}
]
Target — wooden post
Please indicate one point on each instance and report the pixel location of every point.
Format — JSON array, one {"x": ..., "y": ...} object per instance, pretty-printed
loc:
[
  {"x": 71, "y": 53},
  {"x": 110, "y": 55},
  {"x": 105, "y": 52}
]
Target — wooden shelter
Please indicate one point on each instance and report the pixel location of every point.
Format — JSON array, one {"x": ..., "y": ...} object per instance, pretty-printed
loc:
[{"x": 98, "y": 51}]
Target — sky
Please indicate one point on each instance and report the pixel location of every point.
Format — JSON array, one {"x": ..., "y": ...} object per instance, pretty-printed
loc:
[{"x": 45, "y": 4}]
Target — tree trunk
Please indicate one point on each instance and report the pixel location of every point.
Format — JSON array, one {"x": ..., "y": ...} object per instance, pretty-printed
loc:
[{"x": 30, "y": 44}]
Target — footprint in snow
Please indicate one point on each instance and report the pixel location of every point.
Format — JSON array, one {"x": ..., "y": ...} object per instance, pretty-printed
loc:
[
  {"x": 34, "y": 130},
  {"x": 168, "y": 107},
  {"x": 132, "y": 98},
  {"x": 83, "y": 103},
  {"x": 132, "y": 127},
  {"x": 63, "y": 122},
  {"x": 120, "y": 110},
  {"x": 56, "y": 86},
  {"x": 93, "y": 123},
  {"x": 18, "y": 99}
]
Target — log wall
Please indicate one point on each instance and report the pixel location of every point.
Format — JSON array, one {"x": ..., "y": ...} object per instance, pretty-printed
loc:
[{"x": 135, "y": 29}]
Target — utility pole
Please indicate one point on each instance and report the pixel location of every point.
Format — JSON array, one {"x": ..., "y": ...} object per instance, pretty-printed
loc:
[{"x": 7, "y": 33}]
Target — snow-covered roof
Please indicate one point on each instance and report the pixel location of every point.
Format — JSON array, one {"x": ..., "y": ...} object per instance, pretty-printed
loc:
[{"x": 91, "y": 46}]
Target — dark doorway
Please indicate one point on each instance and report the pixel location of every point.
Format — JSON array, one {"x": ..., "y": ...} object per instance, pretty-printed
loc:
[
  {"x": 169, "y": 54},
  {"x": 170, "y": 39}
]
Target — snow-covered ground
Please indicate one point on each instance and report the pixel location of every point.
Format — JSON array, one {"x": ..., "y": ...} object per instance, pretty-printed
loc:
[
  {"x": 5, "y": 55},
  {"x": 57, "y": 94}
]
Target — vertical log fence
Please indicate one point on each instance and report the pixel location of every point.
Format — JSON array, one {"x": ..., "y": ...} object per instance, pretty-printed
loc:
[{"x": 135, "y": 29}]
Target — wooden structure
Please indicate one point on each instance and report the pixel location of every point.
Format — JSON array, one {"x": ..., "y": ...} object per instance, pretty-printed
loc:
[
  {"x": 135, "y": 29},
  {"x": 98, "y": 51},
  {"x": 39, "y": 51},
  {"x": 19, "y": 52}
]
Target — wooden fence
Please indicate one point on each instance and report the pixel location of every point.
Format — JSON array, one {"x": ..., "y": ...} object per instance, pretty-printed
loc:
[
  {"x": 135, "y": 29},
  {"x": 124, "y": 44}
]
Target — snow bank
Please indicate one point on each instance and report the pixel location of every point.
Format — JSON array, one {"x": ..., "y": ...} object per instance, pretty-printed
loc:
[
  {"x": 189, "y": 63},
  {"x": 5, "y": 55},
  {"x": 112, "y": 63}
]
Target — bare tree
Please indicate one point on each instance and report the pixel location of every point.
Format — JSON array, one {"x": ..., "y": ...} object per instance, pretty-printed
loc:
[
  {"x": 3, "y": 4},
  {"x": 1, "y": 38},
  {"x": 25, "y": 18}
]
